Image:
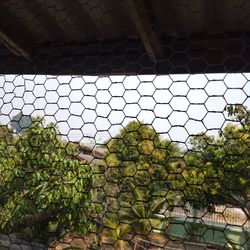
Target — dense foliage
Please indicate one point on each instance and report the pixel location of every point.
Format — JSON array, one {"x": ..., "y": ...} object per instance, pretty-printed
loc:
[
  {"x": 141, "y": 170},
  {"x": 218, "y": 168},
  {"x": 141, "y": 156},
  {"x": 215, "y": 171},
  {"x": 44, "y": 189}
]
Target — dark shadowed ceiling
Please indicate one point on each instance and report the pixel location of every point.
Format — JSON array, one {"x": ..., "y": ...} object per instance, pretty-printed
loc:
[{"x": 124, "y": 36}]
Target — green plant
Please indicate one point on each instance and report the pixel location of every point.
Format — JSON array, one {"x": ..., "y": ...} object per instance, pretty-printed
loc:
[
  {"x": 45, "y": 190},
  {"x": 218, "y": 168}
]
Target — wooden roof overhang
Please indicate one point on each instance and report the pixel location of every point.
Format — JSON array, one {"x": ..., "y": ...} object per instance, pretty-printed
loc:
[{"x": 124, "y": 36}]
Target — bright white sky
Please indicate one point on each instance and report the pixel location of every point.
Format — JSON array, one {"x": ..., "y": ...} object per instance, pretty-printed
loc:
[{"x": 92, "y": 109}]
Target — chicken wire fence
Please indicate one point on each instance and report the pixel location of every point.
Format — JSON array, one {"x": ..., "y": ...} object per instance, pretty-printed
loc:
[
  {"x": 106, "y": 159},
  {"x": 125, "y": 162}
]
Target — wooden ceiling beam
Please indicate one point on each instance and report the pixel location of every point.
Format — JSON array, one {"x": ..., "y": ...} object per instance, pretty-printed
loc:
[
  {"x": 14, "y": 45},
  {"x": 75, "y": 12},
  {"x": 13, "y": 33},
  {"x": 40, "y": 12},
  {"x": 145, "y": 29},
  {"x": 215, "y": 16}
]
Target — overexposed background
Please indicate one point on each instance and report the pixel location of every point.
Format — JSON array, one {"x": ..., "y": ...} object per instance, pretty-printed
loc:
[{"x": 91, "y": 109}]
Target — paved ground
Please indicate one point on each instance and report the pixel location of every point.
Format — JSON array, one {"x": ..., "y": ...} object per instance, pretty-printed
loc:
[{"x": 13, "y": 243}]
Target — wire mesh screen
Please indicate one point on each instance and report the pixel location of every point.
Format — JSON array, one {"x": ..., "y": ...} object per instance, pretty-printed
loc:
[
  {"x": 95, "y": 157},
  {"x": 125, "y": 162}
]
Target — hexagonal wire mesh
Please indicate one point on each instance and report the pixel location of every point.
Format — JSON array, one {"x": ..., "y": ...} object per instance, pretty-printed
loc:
[
  {"x": 125, "y": 161},
  {"x": 142, "y": 161}
]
